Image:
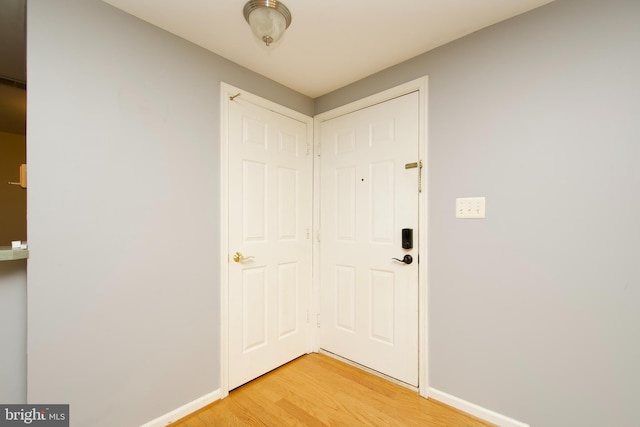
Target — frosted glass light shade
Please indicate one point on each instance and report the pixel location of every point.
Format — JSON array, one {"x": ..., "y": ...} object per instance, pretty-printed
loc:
[
  {"x": 268, "y": 19},
  {"x": 267, "y": 24}
]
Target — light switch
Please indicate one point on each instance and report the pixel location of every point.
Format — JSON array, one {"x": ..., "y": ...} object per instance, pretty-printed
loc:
[{"x": 470, "y": 207}]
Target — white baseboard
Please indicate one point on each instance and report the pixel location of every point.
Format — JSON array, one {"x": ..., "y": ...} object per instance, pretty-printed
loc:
[
  {"x": 473, "y": 409},
  {"x": 184, "y": 410},
  {"x": 460, "y": 404}
]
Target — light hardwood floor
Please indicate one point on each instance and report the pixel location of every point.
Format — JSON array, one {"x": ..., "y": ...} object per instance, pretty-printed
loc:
[{"x": 317, "y": 390}]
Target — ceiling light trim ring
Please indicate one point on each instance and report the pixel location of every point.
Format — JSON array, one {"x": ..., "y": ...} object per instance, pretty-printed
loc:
[{"x": 273, "y": 4}]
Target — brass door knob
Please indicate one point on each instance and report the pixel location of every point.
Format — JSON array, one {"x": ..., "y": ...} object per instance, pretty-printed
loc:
[{"x": 237, "y": 257}]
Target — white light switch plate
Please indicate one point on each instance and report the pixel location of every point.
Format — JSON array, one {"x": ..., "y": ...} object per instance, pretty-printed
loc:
[{"x": 470, "y": 207}]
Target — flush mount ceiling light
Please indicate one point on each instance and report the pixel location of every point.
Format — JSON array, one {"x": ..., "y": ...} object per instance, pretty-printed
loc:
[{"x": 267, "y": 18}]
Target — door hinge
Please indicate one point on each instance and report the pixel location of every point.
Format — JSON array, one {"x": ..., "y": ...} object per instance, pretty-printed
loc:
[
  {"x": 308, "y": 233},
  {"x": 318, "y": 320}
]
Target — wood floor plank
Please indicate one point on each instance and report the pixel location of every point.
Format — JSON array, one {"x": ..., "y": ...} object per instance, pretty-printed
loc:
[
  {"x": 302, "y": 415},
  {"x": 319, "y": 391}
]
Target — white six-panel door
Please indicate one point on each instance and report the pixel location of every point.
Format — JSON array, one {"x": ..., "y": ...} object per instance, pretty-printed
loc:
[
  {"x": 269, "y": 241},
  {"x": 368, "y": 301}
]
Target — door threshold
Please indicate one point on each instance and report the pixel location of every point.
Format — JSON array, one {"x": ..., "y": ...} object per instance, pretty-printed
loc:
[{"x": 369, "y": 370}]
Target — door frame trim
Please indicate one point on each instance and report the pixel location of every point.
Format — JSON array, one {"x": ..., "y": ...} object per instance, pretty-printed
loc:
[
  {"x": 419, "y": 85},
  {"x": 227, "y": 94}
]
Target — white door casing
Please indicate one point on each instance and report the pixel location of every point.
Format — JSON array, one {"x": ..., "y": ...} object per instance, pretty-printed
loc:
[
  {"x": 369, "y": 300},
  {"x": 268, "y": 218}
]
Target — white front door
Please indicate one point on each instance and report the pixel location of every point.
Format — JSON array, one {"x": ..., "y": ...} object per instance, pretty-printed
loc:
[
  {"x": 369, "y": 193},
  {"x": 269, "y": 239}
]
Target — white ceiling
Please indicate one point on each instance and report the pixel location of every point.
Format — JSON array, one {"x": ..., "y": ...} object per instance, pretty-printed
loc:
[{"x": 330, "y": 43}]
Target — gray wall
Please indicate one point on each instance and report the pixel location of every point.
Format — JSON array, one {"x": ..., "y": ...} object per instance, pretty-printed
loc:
[
  {"x": 13, "y": 332},
  {"x": 123, "y": 212},
  {"x": 534, "y": 312}
]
